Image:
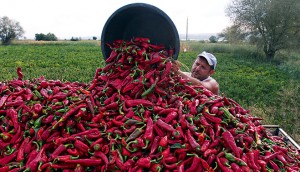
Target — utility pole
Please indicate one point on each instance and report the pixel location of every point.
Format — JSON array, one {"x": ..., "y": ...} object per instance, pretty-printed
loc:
[{"x": 187, "y": 27}]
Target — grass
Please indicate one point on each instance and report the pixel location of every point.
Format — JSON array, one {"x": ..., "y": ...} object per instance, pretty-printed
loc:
[{"x": 270, "y": 89}]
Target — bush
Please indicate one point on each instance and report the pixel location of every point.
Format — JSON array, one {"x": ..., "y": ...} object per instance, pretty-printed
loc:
[{"x": 43, "y": 37}]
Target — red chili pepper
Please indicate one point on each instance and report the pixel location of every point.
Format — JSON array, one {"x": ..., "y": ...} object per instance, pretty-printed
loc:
[
  {"x": 211, "y": 118},
  {"x": 263, "y": 165},
  {"x": 136, "y": 133},
  {"x": 32, "y": 165},
  {"x": 148, "y": 135},
  {"x": 229, "y": 140},
  {"x": 72, "y": 111},
  {"x": 136, "y": 102},
  {"x": 144, "y": 162},
  {"x": 165, "y": 126},
  {"x": 20, "y": 74},
  {"x": 232, "y": 158},
  {"x": 81, "y": 146},
  {"x": 155, "y": 144},
  {"x": 60, "y": 149},
  {"x": 101, "y": 155},
  {"x": 222, "y": 166},
  {"x": 209, "y": 152},
  {"x": 204, "y": 145},
  {"x": 3, "y": 100},
  {"x": 85, "y": 162},
  {"x": 206, "y": 166},
  {"x": 196, "y": 164},
  {"x": 270, "y": 156},
  {"x": 251, "y": 161},
  {"x": 274, "y": 165},
  {"x": 171, "y": 116},
  {"x": 9, "y": 158},
  {"x": 195, "y": 145},
  {"x": 204, "y": 122},
  {"x": 236, "y": 167}
]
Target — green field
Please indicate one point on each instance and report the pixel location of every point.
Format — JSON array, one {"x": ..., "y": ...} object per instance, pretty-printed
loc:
[{"x": 269, "y": 89}]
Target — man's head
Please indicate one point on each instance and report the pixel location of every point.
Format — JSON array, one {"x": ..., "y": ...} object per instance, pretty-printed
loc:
[{"x": 204, "y": 65}]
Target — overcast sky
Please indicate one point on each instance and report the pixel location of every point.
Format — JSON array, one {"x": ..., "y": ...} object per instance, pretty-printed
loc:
[{"x": 85, "y": 18}]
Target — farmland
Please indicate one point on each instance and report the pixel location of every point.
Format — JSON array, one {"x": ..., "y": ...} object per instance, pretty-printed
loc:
[{"x": 269, "y": 89}]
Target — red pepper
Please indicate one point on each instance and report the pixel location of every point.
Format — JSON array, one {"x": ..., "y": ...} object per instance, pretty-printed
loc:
[
  {"x": 158, "y": 130},
  {"x": 156, "y": 167},
  {"x": 63, "y": 166},
  {"x": 72, "y": 111},
  {"x": 236, "y": 167},
  {"x": 209, "y": 152},
  {"x": 222, "y": 166},
  {"x": 3, "y": 100},
  {"x": 232, "y": 158},
  {"x": 9, "y": 158},
  {"x": 211, "y": 118},
  {"x": 171, "y": 116},
  {"x": 20, "y": 74},
  {"x": 148, "y": 135},
  {"x": 263, "y": 165},
  {"x": 165, "y": 126},
  {"x": 144, "y": 162},
  {"x": 205, "y": 165},
  {"x": 20, "y": 155},
  {"x": 274, "y": 165},
  {"x": 101, "y": 155},
  {"x": 136, "y": 102},
  {"x": 196, "y": 164},
  {"x": 251, "y": 161},
  {"x": 204, "y": 145},
  {"x": 60, "y": 149},
  {"x": 32, "y": 165},
  {"x": 136, "y": 133},
  {"x": 154, "y": 145},
  {"x": 163, "y": 142},
  {"x": 81, "y": 146},
  {"x": 204, "y": 122},
  {"x": 195, "y": 145},
  {"x": 85, "y": 162},
  {"x": 229, "y": 140}
]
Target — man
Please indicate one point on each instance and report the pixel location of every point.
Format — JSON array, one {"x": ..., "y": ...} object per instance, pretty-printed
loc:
[{"x": 202, "y": 69}]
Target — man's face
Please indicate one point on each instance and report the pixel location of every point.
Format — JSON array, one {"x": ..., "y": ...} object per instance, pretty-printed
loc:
[{"x": 201, "y": 69}]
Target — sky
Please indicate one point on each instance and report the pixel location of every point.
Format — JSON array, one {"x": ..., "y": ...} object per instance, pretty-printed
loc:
[{"x": 86, "y": 18}]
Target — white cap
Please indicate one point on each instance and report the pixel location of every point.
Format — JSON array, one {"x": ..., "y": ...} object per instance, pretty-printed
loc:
[{"x": 210, "y": 58}]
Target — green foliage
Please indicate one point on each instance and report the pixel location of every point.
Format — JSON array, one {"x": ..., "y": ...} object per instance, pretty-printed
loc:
[
  {"x": 75, "y": 39},
  {"x": 273, "y": 24},
  {"x": 213, "y": 39},
  {"x": 47, "y": 37},
  {"x": 9, "y": 30},
  {"x": 66, "y": 61}
]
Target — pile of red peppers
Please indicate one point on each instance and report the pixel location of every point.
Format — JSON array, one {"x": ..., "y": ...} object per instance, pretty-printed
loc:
[{"x": 135, "y": 115}]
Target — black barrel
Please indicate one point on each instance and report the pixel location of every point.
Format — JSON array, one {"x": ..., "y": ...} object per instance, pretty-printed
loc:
[{"x": 140, "y": 20}]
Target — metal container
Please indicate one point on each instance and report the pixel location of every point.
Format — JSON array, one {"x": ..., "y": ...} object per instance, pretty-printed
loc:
[
  {"x": 140, "y": 20},
  {"x": 277, "y": 131}
]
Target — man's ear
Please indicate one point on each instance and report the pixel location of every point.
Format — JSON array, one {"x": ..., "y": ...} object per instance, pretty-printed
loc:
[{"x": 211, "y": 72}]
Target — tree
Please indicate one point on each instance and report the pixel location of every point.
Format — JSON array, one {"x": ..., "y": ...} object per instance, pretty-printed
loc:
[
  {"x": 213, "y": 39},
  {"x": 94, "y": 38},
  {"x": 43, "y": 37},
  {"x": 273, "y": 23},
  {"x": 233, "y": 34},
  {"x": 9, "y": 30}
]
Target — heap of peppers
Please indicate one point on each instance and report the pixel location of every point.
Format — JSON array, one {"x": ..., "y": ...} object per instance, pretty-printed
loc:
[{"x": 136, "y": 115}]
